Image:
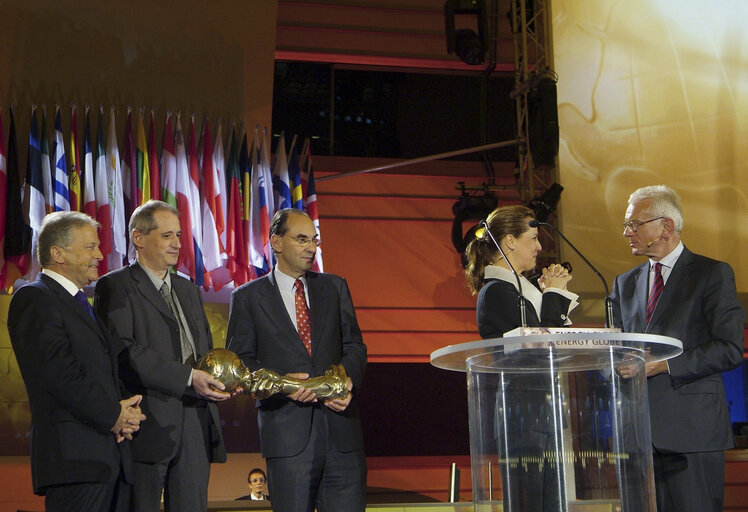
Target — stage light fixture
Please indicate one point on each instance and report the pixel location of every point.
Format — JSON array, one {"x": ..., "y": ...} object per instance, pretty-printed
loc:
[
  {"x": 469, "y": 46},
  {"x": 470, "y": 208},
  {"x": 546, "y": 203}
]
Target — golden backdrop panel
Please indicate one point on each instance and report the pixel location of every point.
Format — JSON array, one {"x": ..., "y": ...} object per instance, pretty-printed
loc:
[{"x": 651, "y": 92}]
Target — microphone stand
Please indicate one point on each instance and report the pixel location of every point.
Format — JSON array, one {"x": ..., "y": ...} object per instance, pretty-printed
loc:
[
  {"x": 522, "y": 311},
  {"x": 608, "y": 303}
]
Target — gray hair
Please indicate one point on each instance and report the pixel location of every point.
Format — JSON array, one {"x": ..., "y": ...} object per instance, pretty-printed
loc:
[
  {"x": 665, "y": 203},
  {"x": 57, "y": 231},
  {"x": 142, "y": 219}
]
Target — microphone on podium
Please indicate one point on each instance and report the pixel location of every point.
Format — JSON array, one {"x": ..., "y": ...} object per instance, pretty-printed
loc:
[
  {"x": 522, "y": 311},
  {"x": 608, "y": 303}
]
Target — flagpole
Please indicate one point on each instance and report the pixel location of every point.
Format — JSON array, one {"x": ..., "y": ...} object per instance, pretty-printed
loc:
[{"x": 422, "y": 159}]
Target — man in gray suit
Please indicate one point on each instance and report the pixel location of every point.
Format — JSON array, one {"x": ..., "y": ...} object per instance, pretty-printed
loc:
[
  {"x": 160, "y": 318},
  {"x": 691, "y": 298},
  {"x": 314, "y": 450}
]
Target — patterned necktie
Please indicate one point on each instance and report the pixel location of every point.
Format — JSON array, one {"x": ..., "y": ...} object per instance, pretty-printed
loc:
[
  {"x": 188, "y": 353},
  {"x": 303, "y": 322},
  {"x": 81, "y": 297},
  {"x": 657, "y": 286}
]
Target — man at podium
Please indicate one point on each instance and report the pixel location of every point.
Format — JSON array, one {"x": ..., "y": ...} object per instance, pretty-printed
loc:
[{"x": 692, "y": 298}]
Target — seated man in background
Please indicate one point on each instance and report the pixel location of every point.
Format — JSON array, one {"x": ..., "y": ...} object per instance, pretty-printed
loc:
[{"x": 256, "y": 483}]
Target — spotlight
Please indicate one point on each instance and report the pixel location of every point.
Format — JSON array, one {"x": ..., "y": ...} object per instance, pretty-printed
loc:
[
  {"x": 546, "y": 204},
  {"x": 470, "y": 208},
  {"x": 469, "y": 46}
]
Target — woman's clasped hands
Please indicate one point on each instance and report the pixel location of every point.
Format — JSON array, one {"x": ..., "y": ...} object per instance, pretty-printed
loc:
[{"x": 554, "y": 276}]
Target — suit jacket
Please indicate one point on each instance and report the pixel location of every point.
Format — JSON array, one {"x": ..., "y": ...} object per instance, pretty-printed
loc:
[
  {"x": 497, "y": 310},
  {"x": 134, "y": 311},
  {"x": 261, "y": 333},
  {"x": 68, "y": 363},
  {"x": 265, "y": 497},
  {"x": 698, "y": 306}
]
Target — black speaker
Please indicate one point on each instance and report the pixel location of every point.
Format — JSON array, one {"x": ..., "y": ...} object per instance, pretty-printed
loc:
[{"x": 543, "y": 122}]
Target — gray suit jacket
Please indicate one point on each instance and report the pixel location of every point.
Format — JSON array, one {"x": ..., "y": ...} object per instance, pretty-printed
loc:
[
  {"x": 261, "y": 333},
  {"x": 688, "y": 410},
  {"x": 134, "y": 311}
]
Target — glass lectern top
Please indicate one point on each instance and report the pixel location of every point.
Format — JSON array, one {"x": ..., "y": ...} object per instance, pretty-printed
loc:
[{"x": 567, "y": 351}]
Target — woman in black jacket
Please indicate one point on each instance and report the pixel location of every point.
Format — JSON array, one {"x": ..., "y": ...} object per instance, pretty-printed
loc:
[{"x": 530, "y": 480}]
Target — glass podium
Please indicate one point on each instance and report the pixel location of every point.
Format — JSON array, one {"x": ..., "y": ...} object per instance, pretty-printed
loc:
[{"x": 559, "y": 418}]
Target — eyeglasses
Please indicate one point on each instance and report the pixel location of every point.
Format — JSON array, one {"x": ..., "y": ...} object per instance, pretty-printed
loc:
[
  {"x": 634, "y": 225},
  {"x": 304, "y": 241}
]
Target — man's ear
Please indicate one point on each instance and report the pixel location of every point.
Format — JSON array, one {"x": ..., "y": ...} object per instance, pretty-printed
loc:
[
  {"x": 275, "y": 243},
  {"x": 668, "y": 229},
  {"x": 57, "y": 254},
  {"x": 137, "y": 239}
]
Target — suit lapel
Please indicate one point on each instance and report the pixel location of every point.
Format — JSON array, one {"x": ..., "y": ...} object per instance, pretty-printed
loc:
[
  {"x": 272, "y": 304},
  {"x": 641, "y": 296},
  {"x": 72, "y": 304},
  {"x": 318, "y": 296},
  {"x": 149, "y": 291},
  {"x": 674, "y": 283},
  {"x": 190, "y": 310}
]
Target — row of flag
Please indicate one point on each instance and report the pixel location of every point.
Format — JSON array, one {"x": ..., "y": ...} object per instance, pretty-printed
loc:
[{"x": 226, "y": 193}]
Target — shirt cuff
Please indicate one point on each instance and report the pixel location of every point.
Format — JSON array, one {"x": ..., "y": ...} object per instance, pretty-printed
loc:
[{"x": 572, "y": 301}]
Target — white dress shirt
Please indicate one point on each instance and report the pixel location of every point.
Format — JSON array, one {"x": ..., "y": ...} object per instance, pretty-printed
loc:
[
  {"x": 668, "y": 262},
  {"x": 288, "y": 294}
]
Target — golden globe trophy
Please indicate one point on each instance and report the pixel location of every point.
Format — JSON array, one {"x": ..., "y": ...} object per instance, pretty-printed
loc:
[{"x": 224, "y": 365}]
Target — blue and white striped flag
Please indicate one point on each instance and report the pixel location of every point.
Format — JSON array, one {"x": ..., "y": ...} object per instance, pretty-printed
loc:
[{"x": 60, "y": 180}]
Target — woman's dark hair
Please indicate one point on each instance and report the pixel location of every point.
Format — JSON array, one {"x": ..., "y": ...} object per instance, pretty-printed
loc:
[{"x": 505, "y": 220}]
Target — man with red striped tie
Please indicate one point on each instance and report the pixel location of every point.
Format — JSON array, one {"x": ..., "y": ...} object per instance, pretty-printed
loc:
[
  {"x": 298, "y": 323},
  {"x": 691, "y": 298}
]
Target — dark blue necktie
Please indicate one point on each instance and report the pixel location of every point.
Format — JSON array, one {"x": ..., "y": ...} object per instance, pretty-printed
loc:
[{"x": 81, "y": 297}]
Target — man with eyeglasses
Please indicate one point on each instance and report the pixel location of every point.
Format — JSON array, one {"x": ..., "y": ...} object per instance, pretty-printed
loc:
[
  {"x": 256, "y": 482},
  {"x": 691, "y": 298},
  {"x": 298, "y": 322}
]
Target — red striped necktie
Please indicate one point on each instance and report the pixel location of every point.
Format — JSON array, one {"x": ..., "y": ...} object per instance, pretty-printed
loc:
[
  {"x": 303, "y": 322},
  {"x": 657, "y": 286}
]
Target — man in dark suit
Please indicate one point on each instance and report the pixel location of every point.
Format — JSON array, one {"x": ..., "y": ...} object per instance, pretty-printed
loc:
[
  {"x": 160, "y": 318},
  {"x": 691, "y": 298},
  {"x": 69, "y": 365},
  {"x": 314, "y": 450},
  {"x": 256, "y": 480}
]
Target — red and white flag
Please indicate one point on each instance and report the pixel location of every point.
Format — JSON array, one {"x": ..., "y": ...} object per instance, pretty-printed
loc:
[
  {"x": 88, "y": 173},
  {"x": 187, "y": 258},
  {"x": 103, "y": 208},
  {"x": 214, "y": 257}
]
